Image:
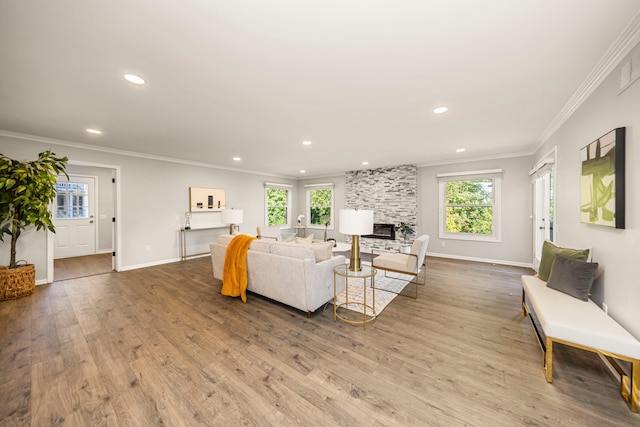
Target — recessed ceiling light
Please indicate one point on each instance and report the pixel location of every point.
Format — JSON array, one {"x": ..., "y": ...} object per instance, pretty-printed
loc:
[
  {"x": 94, "y": 131},
  {"x": 440, "y": 110},
  {"x": 303, "y": 171},
  {"x": 365, "y": 163},
  {"x": 136, "y": 80},
  {"x": 460, "y": 150},
  {"x": 236, "y": 159},
  {"x": 306, "y": 142}
]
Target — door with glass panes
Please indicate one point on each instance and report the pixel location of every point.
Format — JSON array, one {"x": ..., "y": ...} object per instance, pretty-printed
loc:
[{"x": 74, "y": 217}]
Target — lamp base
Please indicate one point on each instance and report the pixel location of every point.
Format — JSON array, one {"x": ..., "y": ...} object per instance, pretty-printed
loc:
[{"x": 354, "y": 259}]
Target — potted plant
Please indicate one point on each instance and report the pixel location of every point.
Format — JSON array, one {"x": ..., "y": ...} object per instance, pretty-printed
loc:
[
  {"x": 405, "y": 229},
  {"x": 26, "y": 190}
]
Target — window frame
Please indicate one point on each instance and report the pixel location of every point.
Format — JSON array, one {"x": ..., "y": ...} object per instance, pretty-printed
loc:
[
  {"x": 275, "y": 186},
  {"x": 309, "y": 189},
  {"x": 496, "y": 176}
]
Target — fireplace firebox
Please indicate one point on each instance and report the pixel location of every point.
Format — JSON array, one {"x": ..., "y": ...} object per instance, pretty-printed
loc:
[{"x": 382, "y": 231}]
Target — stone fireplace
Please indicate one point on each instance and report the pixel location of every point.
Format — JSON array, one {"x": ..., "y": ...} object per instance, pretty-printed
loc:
[
  {"x": 382, "y": 231},
  {"x": 392, "y": 194}
]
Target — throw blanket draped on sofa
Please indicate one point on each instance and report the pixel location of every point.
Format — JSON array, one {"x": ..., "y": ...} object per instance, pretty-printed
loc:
[{"x": 234, "y": 281}]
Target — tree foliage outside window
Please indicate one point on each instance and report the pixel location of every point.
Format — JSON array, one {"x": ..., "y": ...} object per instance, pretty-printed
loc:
[
  {"x": 320, "y": 202},
  {"x": 277, "y": 206},
  {"x": 469, "y": 206}
]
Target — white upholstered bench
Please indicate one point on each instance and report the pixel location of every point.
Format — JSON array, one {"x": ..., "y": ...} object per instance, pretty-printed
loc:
[{"x": 567, "y": 320}]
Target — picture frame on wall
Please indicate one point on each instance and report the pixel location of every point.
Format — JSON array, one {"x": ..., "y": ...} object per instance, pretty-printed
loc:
[{"x": 602, "y": 183}]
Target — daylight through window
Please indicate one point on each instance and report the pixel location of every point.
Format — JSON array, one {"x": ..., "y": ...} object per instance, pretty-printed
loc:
[
  {"x": 470, "y": 205},
  {"x": 278, "y": 204}
]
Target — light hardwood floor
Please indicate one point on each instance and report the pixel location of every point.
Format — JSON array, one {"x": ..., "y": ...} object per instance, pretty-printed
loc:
[
  {"x": 81, "y": 266},
  {"x": 161, "y": 346}
]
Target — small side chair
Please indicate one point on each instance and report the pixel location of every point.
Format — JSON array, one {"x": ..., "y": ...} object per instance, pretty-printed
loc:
[
  {"x": 405, "y": 263},
  {"x": 266, "y": 232}
]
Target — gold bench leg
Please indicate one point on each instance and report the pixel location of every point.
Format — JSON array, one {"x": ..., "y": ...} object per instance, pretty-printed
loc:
[
  {"x": 633, "y": 387},
  {"x": 548, "y": 361}
]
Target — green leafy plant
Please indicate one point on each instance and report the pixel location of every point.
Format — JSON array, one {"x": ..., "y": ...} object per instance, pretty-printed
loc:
[
  {"x": 26, "y": 190},
  {"x": 405, "y": 229}
]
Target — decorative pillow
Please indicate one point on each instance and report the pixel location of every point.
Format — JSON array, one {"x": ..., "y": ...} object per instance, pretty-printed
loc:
[
  {"x": 572, "y": 277},
  {"x": 549, "y": 251},
  {"x": 308, "y": 239},
  {"x": 322, "y": 250}
]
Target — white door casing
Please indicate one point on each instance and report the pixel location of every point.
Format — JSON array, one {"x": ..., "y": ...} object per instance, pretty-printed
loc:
[{"x": 543, "y": 212}]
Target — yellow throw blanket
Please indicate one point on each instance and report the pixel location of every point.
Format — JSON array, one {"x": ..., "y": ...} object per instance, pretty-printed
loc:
[{"x": 234, "y": 276}]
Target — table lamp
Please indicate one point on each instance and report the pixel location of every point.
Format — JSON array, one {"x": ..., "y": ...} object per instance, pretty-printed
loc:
[
  {"x": 355, "y": 223},
  {"x": 232, "y": 217}
]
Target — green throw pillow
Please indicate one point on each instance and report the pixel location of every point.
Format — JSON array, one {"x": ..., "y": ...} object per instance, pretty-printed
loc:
[
  {"x": 549, "y": 251},
  {"x": 572, "y": 277}
]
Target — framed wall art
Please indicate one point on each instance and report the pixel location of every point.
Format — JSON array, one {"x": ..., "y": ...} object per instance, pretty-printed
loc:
[
  {"x": 603, "y": 179},
  {"x": 206, "y": 199}
]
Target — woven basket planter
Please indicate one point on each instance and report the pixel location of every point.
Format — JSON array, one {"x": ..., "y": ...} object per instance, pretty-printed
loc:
[{"x": 17, "y": 282}]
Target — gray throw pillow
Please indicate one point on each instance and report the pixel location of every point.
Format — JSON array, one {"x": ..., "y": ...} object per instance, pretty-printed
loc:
[{"x": 572, "y": 277}]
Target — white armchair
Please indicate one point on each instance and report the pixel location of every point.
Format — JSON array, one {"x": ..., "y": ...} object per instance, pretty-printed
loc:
[
  {"x": 405, "y": 263},
  {"x": 266, "y": 232}
]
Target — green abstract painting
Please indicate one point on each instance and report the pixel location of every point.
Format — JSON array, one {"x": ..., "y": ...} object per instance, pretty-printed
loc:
[{"x": 602, "y": 181}]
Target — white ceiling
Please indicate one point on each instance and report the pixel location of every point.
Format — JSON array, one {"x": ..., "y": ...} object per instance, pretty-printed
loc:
[{"x": 254, "y": 78}]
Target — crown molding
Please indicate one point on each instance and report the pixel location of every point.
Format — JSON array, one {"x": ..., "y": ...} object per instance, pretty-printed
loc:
[
  {"x": 620, "y": 48},
  {"x": 101, "y": 149},
  {"x": 478, "y": 159}
]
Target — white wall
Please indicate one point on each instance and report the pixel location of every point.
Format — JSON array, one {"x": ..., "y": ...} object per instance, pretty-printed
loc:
[
  {"x": 154, "y": 198},
  {"x": 516, "y": 245},
  {"x": 615, "y": 250}
]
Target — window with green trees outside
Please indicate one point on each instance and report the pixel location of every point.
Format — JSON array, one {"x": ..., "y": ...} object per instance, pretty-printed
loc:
[
  {"x": 470, "y": 208},
  {"x": 277, "y": 206},
  {"x": 320, "y": 207}
]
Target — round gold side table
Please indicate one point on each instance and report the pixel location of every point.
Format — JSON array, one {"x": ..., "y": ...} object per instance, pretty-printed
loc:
[{"x": 366, "y": 272}]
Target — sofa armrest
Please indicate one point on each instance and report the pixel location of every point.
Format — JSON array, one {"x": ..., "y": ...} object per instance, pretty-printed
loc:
[{"x": 319, "y": 280}]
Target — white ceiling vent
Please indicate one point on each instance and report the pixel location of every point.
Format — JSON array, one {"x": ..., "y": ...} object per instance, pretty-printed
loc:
[{"x": 629, "y": 72}]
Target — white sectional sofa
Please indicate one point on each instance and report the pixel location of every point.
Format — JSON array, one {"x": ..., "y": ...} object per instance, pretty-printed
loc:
[{"x": 286, "y": 272}]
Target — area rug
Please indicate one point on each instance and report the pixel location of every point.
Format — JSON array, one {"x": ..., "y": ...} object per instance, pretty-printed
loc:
[{"x": 383, "y": 296}]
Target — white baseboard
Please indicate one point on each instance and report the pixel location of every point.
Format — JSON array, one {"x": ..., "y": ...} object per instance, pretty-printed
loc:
[
  {"x": 148, "y": 264},
  {"x": 485, "y": 260}
]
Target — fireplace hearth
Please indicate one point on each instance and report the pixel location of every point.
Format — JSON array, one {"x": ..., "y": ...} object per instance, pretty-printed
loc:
[{"x": 382, "y": 231}]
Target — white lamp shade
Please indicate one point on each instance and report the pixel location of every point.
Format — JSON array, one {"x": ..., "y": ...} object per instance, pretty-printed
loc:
[
  {"x": 231, "y": 216},
  {"x": 356, "y": 222}
]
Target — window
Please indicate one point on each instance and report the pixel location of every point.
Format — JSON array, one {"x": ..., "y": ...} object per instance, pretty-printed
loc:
[
  {"x": 320, "y": 206},
  {"x": 278, "y": 204},
  {"x": 72, "y": 200},
  {"x": 470, "y": 205}
]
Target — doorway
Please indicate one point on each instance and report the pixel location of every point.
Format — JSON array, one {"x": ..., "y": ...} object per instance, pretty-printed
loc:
[
  {"x": 86, "y": 238},
  {"x": 543, "y": 206}
]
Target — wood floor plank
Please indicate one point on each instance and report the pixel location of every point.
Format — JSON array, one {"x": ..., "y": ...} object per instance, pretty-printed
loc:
[{"x": 162, "y": 346}]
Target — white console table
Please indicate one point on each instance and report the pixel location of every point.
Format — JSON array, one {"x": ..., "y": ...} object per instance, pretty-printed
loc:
[{"x": 184, "y": 232}]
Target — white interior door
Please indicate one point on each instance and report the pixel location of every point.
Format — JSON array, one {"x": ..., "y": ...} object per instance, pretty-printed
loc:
[
  {"x": 543, "y": 218},
  {"x": 74, "y": 217}
]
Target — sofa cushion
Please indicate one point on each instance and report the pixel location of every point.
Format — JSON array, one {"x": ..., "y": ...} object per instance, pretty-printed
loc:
[
  {"x": 292, "y": 250},
  {"x": 322, "y": 250},
  {"x": 306, "y": 239},
  {"x": 225, "y": 239},
  {"x": 572, "y": 277},
  {"x": 549, "y": 251},
  {"x": 261, "y": 245}
]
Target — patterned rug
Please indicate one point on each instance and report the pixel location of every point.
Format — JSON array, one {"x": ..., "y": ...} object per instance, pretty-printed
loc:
[{"x": 382, "y": 295}]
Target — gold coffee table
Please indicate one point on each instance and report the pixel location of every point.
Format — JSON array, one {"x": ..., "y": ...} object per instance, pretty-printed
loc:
[{"x": 366, "y": 272}]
